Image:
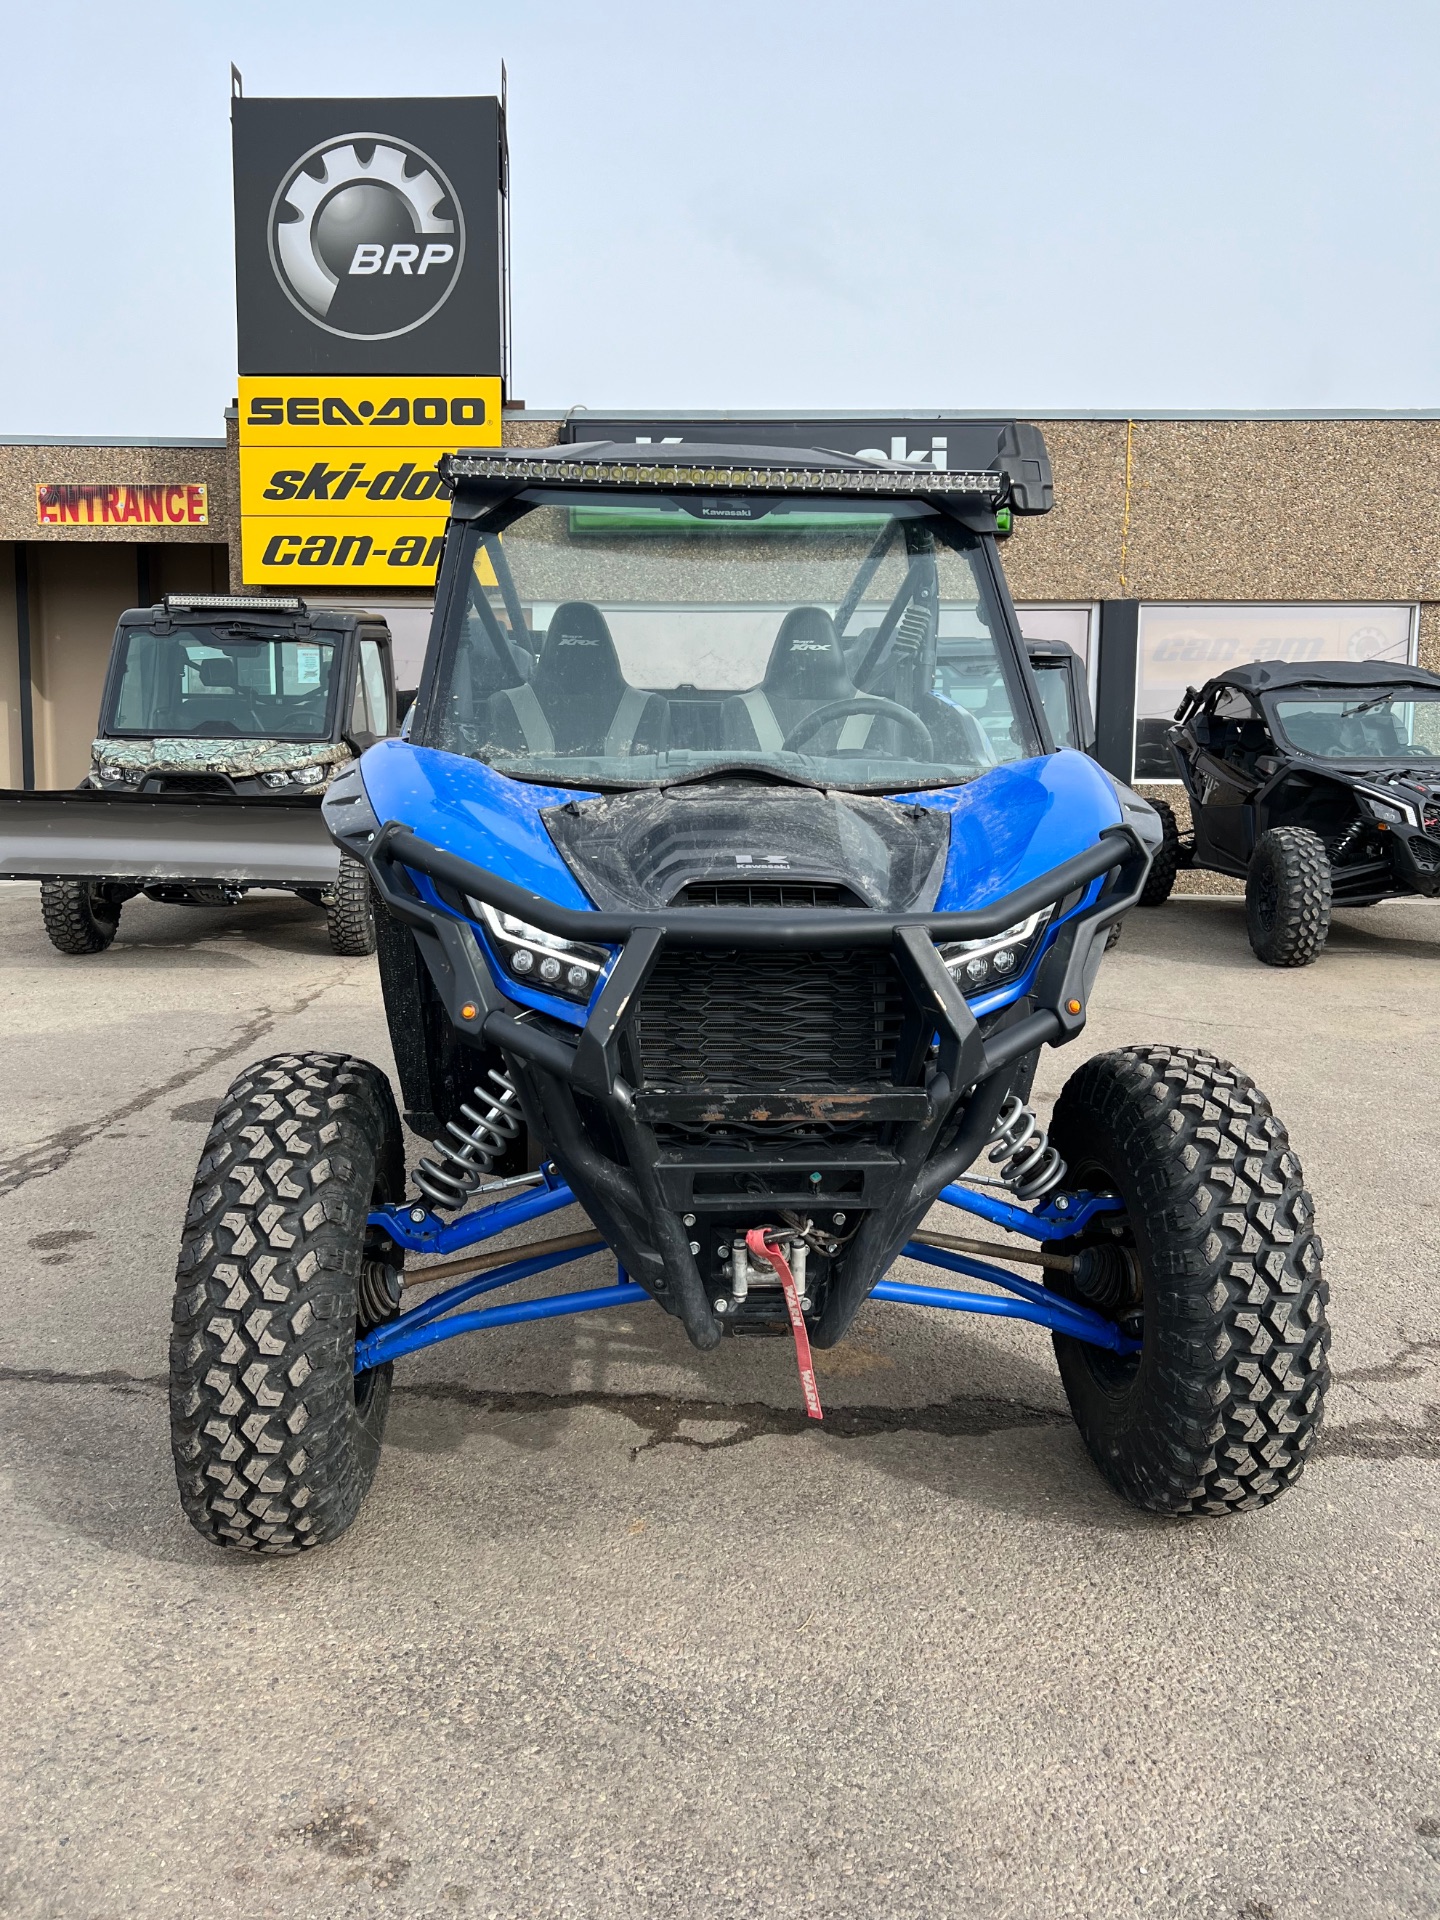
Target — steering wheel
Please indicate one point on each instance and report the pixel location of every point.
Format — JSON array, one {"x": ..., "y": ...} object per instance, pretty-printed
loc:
[{"x": 862, "y": 703}]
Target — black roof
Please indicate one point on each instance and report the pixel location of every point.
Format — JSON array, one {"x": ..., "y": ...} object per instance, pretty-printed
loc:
[{"x": 1269, "y": 676}]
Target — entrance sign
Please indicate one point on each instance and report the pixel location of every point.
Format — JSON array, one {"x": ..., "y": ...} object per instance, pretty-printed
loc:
[{"x": 143, "y": 504}]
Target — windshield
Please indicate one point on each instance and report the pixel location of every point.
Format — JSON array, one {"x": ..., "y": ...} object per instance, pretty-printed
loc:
[
  {"x": 1395, "y": 723},
  {"x": 222, "y": 682},
  {"x": 625, "y": 642}
]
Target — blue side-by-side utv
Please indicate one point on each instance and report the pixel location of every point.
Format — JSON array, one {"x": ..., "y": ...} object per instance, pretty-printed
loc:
[{"x": 704, "y": 904}]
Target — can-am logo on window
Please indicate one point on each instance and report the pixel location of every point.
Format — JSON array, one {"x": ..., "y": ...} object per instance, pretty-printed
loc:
[{"x": 367, "y": 236}]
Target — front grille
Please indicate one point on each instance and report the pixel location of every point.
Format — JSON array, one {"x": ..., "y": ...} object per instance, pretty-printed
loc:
[
  {"x": 1432, "y": 819},
  {"x": 741, "y": 1022},
  {"x": 766, "y": 893},
  {"x": 188, "y": 783}
]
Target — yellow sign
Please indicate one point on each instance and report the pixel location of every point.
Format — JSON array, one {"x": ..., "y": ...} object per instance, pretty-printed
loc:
[{"x": 338, "y": 480}]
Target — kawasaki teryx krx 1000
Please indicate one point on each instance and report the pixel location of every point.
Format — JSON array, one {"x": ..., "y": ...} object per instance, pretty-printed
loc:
[{"x": 704, "y": 908}]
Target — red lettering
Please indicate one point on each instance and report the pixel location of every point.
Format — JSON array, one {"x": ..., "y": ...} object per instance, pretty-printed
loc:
[
  {"x": 110, "y": 505},
  {"x": 152, "y": 502},
  {"x": 195, "y": 500},
  {"x": 130, "y": 504},
  {"x": 175, "y": 504}
]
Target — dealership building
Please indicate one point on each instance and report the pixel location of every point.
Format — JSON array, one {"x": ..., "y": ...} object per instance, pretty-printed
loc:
[{"x": 1178, "y": 544}]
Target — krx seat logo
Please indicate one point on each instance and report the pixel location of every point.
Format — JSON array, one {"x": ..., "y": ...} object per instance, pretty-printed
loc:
[{"x": 367, "y": 236}]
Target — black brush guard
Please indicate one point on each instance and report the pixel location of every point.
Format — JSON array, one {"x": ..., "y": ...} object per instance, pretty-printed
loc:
[{"x": 634, "y": 1153}]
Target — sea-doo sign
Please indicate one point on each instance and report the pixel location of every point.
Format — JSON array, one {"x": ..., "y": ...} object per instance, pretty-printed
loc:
[{"x": 369, "y": 236}]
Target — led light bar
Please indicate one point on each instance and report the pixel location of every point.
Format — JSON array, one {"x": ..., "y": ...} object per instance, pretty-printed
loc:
[
  {"x": 246, "y": 602},
  {"x": 670, "y": 479}
]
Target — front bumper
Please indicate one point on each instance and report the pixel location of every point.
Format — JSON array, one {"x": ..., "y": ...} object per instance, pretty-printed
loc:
[{"x": 646, "y": 1160}]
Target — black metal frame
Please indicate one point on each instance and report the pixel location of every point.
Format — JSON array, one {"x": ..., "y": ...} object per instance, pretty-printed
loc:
[{"x": 942, "y": 1107}]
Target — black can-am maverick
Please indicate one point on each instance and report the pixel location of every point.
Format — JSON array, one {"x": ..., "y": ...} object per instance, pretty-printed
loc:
[
  {"x": 750, "y": 939},
  {"x": 1318, "y": 784},
  {"x": 223, "y": 720}
]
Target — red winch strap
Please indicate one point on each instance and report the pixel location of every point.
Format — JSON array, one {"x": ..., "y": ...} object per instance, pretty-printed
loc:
[{"x": 755, "y": 1241}]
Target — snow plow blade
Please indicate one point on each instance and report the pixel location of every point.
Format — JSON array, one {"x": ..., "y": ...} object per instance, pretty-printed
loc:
[{"x": 87, "y": 834}]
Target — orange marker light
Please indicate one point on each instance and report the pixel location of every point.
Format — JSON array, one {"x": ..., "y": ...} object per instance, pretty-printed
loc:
[
  {"x": 1072, "y": 1006},
  {"x": 469, "y": 1010}
]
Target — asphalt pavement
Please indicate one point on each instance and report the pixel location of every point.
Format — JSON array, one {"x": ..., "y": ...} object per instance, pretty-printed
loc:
[{"x": 620, "y": 1634}]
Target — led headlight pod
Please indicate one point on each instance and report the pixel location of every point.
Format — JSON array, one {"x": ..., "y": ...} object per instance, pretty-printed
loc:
[
  {"x": 541, "y": 959},
  {"x": 980, "y": 965},
  {"x": 1392, "y": 810}
]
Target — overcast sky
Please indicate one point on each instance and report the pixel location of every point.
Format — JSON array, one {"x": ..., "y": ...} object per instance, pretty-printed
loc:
[{"x": 1062, "y": 204}]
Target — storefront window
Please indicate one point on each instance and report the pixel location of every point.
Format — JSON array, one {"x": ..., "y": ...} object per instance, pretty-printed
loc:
[{"x": 1184, "y": 647}]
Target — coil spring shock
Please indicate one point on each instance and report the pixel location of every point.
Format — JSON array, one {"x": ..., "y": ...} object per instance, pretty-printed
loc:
[
  {"x": 1032, "y": 1166},
  {"x": 464, "y": 1155}
]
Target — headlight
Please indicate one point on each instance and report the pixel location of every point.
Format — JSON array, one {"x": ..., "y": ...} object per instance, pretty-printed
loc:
[
  {"x": 310, "y": 776},
  {"x": 281, "y": 779},
  {"x": 980, "y": 965},
  {"x": 1395, "y": 812},
  {"x": 117, "y": 776},
  {"x": 542, "y": 959}
]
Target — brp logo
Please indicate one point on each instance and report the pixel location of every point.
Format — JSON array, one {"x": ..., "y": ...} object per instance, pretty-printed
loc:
[{"x": 366, "y": 236}]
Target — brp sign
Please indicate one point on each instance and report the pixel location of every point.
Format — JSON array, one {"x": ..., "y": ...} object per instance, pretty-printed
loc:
[{"x": 368, "y": 236}]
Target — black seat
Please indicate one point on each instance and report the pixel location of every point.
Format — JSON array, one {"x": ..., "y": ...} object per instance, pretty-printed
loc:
[
  {"x": 578, "y": 700},
  {"x": 806, "y": 671}
]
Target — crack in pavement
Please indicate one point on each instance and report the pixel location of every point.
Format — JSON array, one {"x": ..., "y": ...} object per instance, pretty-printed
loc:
[
  {"x": 663, "y": 1417},
  {"x": 41, "y": 1157},
  {"x": 1405, "y": 1363}
]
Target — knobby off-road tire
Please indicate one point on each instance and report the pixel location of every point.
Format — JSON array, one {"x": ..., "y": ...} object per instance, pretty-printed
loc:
[
  {"x": 350, "y": 912},
  {"x": 1218, "y": 1411},
  {"x": 77, "y": 915},
  {"x": 1160, "y": 881},
  {"x": 1287, "y": 897},
  {"x": 275, "y": 1440}
]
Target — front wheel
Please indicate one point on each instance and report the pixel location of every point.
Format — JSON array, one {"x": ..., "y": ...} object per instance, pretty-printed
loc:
[
  {"x": 350, "y": 910},
  {"x": 1160, "y": 880},
  {"x": 1215, "y": 1269},
  {"x": 1287, "y": 897},
  {"x": 275, "y": 1438},
  {"x": 79, "y": 915}
]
